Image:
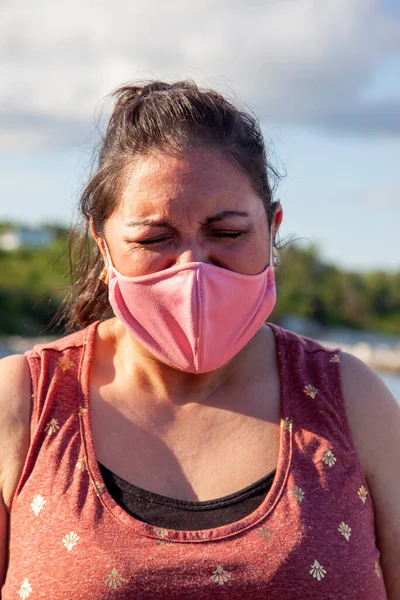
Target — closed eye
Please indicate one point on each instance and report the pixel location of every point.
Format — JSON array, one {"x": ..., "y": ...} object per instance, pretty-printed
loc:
[
  {"x": 227, "y": 234},
  {"x": 154, "y": 241}
]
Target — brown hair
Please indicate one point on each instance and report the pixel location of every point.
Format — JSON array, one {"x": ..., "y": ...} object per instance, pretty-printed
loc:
[{"x": 155, "y": 116}]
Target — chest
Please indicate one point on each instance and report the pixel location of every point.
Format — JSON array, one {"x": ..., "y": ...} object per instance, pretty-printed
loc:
[{"x": 196, "y": 452}]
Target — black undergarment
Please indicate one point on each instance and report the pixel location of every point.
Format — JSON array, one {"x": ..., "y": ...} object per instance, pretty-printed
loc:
[{"x": 170, "y": 513}]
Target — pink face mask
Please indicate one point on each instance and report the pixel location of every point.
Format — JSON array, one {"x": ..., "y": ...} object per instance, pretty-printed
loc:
[{"x": 194, "y": 317}]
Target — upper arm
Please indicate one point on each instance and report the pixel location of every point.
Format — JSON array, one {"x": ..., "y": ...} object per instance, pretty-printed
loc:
[
  {"x": 15, "y": 408},
  {"x": 374, "y": 419}
]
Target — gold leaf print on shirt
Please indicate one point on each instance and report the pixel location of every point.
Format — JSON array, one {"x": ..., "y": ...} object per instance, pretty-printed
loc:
[
  {"x": 345, "y": 530},
  {"x": 287, "y": 424},
  {"x": 220, "y": 576},
  {"x": 81, "y": 464},
  {"x": 25, "y": 589},
  {"x": 311, "y": 391},
  {"x": 298, "y": 493},
  {"x": 329, "y": 458},
  {"x": 335, "y": 358},
  {"x": 65, "y": 364},
  {"x": 378, "y": 569},
  {"x": 164, "y": 543},
  {"x": 317, "y": 571},
  {"x": 162, "y": 533},
  {"x": 70, "y": 540},
  {"x": 362, "y": 494},
  {"x": 99, "y": 488},
  {"x": 114, "y": 580},
  {"x": 265, "y": 533},
  {"x": 52, "y": 427},
  {"x": 38, "y": 504}
]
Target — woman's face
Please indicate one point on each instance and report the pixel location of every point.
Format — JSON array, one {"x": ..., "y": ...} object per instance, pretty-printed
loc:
[{"x": 197, "y": 207}]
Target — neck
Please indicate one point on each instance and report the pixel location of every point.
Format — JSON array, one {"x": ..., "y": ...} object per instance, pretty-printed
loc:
[{"x": 168, "y": 385}]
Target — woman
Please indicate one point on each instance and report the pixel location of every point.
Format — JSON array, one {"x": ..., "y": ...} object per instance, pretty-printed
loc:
[{"x": 185, "y": 448}]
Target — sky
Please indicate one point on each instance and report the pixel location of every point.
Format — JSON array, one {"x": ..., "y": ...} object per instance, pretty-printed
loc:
[{"x": 322, "y": 76}]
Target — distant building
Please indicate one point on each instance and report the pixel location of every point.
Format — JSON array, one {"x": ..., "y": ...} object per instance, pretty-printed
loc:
[{"x": 25, "y": 238}]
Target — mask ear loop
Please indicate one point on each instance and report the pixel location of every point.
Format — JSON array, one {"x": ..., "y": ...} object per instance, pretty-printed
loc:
[
  {"x": 104, "y": 274},
  {"x": 107, "y": 253},
  {"x": 273, "y": 259},
  {"x": 270, "y": 248}
]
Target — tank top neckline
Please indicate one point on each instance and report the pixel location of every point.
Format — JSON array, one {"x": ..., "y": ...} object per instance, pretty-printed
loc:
[
  {"x": 171, "y": 535},
  {"x": 155, "y": 498}
]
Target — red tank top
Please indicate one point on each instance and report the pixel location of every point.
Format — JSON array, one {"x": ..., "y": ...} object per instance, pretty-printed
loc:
[{"x": 312, "y": 537}]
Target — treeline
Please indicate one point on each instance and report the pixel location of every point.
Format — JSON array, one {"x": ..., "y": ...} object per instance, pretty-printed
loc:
[
  {"x": 311, "y": 288},
  {"x": 34, "y": 281}
]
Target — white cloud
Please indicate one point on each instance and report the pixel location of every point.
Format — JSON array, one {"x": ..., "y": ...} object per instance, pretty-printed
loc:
[{"x": 301, "y": 61}]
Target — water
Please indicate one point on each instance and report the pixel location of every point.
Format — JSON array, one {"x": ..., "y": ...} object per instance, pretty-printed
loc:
[
  {"x": 393, "y": 383},
  {"x": 4, "y": 351}
]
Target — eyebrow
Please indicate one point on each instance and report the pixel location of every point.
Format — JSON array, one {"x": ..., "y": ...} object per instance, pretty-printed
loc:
[
  {"x": 224, "y": 214},
  {"x": 218, "y": 217},
  {"x": 150, "y": 222}
]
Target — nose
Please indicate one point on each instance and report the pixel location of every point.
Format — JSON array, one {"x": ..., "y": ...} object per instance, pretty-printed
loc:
[{"x": 191, "y": 253}]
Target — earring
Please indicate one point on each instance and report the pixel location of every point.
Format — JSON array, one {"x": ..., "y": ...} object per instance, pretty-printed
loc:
[
  {"x": 104, "y": 275},
  {"x": 276, "y": 261}
]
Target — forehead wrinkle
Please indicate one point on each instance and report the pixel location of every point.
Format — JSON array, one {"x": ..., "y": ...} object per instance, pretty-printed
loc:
[{"x": 175, "y": 181}]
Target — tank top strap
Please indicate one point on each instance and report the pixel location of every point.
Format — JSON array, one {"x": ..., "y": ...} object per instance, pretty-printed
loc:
[
  {"x": 316, "y": 388},
  {"x": 57, "y": 395},
  {"x": 321, "y": 435}
]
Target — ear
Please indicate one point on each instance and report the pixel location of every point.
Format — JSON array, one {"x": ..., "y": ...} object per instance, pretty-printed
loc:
[
  {"x": 278, "y": 216},
  {"x": 98, "y": 239}
]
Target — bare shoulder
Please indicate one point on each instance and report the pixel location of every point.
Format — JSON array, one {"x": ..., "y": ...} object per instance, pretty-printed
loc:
[
  {"x": 373, "y": 413},
  {"x": 15, "y": 411},
  {"x": 374, "y": 419}
]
